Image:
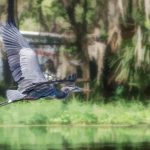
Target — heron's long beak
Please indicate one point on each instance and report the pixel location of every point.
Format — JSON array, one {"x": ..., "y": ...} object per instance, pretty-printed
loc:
[{"x": 86, "y": 90}]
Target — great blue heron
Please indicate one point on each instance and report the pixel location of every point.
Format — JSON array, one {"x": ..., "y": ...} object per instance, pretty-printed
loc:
[{"x": 26, "y": 70}]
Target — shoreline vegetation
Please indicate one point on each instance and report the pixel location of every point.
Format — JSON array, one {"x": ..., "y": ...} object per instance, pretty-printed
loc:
[{"x": 73, "y": 112}]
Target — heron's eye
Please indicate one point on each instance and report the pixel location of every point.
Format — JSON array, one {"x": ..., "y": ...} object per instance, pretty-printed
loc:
[{"x": 66, "y": 90}]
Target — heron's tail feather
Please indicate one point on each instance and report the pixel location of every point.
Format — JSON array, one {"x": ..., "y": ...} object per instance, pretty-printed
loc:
[{"x": 13, "y": 95}]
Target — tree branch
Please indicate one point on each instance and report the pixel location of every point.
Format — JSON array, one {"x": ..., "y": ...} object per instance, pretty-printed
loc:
[{"x": 41, "y": 16}]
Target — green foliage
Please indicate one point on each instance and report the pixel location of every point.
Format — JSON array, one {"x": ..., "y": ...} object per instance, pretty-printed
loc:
[
  {"x": 44, "y": 15},
  {"x": 34, "y": 26},
  {"x": 39, "y": 119},
  {"x": 52, "y": 12},
  {"x": 126, "y": 63},
  {"x": 127, "y": 70},
  {"x": 46, "y": 112},
  {"x": 69, "y": 49},
  {"x": 119, "y": 92},
  {"x": 79, "y": 13}
]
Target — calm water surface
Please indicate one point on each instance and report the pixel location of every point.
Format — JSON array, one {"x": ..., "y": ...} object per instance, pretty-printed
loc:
[{"x": 74, "y": 138}]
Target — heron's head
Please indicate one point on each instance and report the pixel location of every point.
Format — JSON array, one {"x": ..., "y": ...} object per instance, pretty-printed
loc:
[{"x": 71, "y": 89}]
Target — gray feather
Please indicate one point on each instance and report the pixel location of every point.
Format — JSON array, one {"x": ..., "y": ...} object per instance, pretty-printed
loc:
[
  {"x": 22, "y": 59},
  {"x": 13, "y": 95}
]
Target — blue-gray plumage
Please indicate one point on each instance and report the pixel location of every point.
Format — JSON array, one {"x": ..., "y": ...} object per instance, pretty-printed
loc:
[{"x": 26, "y": 71}]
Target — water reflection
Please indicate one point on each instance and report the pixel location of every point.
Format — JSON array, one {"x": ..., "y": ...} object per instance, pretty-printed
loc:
[{"x": 74, "y": 138}]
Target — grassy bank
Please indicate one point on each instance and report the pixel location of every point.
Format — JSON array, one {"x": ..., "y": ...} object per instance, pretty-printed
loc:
[{"x": 55, "y": 112}]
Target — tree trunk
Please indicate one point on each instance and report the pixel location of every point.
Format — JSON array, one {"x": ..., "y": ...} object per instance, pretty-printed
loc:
[
  {"x": 86, "y": 76},
  {"x": 85, "y": 66},
  {"x": 107, "y": 73},
  {"x": 16, "y": 12}
]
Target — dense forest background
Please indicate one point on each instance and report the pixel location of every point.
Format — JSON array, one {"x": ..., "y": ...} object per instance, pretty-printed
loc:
[{"x": 111, "y": 39}]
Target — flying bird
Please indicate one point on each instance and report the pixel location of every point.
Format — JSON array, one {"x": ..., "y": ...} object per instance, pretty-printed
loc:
[{"x": 27, "y": 73}]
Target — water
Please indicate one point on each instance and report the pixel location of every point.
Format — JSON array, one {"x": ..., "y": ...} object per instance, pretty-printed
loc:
[{"x": 74, "y": 138}]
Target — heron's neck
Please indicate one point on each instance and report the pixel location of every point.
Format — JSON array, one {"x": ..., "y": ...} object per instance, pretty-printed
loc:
[{"x": 61, "y": 94}]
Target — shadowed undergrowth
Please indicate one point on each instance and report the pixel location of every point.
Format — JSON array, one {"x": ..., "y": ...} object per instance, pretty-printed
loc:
[{"x": 55, "y": 112}]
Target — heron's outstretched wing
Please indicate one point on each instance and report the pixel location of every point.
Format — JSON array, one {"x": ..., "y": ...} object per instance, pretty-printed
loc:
[{"x": 22, "y": 59}]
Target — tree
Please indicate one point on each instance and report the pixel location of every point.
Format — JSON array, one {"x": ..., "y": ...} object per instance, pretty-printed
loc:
[
  {"x": 130, "y": 62},
  {"x": 84, "y": 15}
]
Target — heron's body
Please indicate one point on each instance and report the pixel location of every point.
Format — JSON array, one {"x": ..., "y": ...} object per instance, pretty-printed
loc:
[
  {"x": 25, "y": 69},
  {"x": 36, "y": 93}
]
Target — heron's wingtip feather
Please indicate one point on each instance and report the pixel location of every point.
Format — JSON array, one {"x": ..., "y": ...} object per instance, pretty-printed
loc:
[{"x": 13, "y": 95}]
